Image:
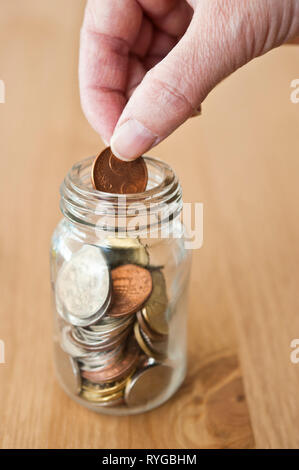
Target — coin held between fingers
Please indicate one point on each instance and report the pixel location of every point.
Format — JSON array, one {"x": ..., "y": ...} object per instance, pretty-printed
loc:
[{"x": 112, "y": 175}]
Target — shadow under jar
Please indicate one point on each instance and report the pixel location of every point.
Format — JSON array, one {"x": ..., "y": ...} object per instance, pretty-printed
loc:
[{"x": 119, "y": 272}]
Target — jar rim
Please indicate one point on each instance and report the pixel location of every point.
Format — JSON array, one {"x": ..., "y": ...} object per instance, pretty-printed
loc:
[
  {"x": 74, "y": 176},
  {"x": 81, "y": 203}
]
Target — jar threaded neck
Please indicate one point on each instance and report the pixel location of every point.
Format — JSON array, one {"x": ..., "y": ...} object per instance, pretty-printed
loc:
[{"x": 159, "y": 204}]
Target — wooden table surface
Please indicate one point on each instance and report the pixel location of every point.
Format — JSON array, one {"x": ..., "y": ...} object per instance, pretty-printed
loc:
[{"x": 241, "y": 159}]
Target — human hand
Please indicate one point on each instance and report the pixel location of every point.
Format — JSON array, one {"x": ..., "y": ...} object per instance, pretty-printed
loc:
[{"x": 147, "y": 65}]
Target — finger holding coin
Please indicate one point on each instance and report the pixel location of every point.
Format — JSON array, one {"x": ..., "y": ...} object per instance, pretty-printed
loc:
[{"x": 112, "y": 175}]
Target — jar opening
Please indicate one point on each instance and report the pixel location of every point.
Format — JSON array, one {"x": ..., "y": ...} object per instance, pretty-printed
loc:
[{"x": 160, "y": 203}]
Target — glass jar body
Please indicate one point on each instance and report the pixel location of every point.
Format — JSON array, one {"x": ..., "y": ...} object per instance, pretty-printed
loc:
[{"x": 136, "y": 360}]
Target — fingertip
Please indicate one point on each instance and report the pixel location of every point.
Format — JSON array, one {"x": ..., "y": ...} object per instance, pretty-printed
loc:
[{"x": 131, "y": 140}]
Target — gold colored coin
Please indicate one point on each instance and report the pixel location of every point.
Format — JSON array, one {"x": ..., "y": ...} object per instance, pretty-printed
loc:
[
  {"x": 142, "y": 344},
  {"x": 155, "y": 309},
  {"x": 91, "y": 396},
  {"x": 158, "y": 348},
  {"x": 153, "y": 335},
  {"x": 105, "y": 389}
]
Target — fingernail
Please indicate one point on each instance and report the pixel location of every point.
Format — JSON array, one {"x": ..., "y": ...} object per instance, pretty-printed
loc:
[{"x": 131, "y": 140}]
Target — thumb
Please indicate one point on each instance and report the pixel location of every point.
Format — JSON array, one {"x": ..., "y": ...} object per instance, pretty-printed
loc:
[{"x": 221, "y": 37}]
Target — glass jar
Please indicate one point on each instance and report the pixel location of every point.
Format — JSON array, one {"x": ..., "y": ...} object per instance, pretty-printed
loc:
[{"x": 119, "y": 272}]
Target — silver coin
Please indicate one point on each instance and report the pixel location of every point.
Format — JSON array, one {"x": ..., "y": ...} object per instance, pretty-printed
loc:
[
  {"x": 109, "y": 324},
  {"x": 83, "y": 287},
  {"x": 148, "y": 383},
  {"x": 69, "y": 346},
  {"x": 102, "y": 343},
  {"x": 103, "y": 359},
  {"x": 104, "y": 336},
  {"x": 67, "y": 370}
]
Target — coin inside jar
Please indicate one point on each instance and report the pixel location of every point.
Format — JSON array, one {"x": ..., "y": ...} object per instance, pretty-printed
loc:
[
  {"x": 101, "y": 399},
  {"x": 102, "y": 344},
  {"x": 153, "y": 335},
  {"x": 101, "y": 360},
  {"x": 105, "y": 389},
  {"x": 83, "y": 289},
  {"x": 147, "y": 384},
  {"x": 126, "y": 250},
  {"x": 67, "y": 370},
  {"x": 112, "y": 175},
  {"x": 158, "y": 347},
  {"x": 120, "y": 369},
  {"x": 145, "y": 345},
  {"x": 131, "y": 285},
  {"x": 155, "y": 309}
]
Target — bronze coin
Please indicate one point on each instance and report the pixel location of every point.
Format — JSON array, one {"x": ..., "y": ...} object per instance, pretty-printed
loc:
[
  {"x": 123, "y": 367},
  {"x": 131, "y": 286},
  {"x": 111, "y": 175}
]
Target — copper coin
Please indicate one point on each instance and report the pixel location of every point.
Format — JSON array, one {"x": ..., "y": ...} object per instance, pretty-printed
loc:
[
  {"x": 123, "y": 367},
  {"x": 131, "y": 286},
  {"x": 111, "y": 175}
]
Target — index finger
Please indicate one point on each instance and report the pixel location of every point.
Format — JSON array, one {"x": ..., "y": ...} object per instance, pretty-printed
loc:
[{"x": 108, "y": 32}]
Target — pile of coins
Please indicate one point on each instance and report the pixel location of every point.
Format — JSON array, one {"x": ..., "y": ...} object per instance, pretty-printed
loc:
[{"x": 114, "y": 311}]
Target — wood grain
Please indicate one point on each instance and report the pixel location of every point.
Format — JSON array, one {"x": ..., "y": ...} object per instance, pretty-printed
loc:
[{"x": 241, "y": 160}]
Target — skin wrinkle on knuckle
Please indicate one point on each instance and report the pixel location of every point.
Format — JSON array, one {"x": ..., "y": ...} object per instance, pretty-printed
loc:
[
  {"x": 118, "y": 18},
  {"x": 116, "y": 44},
  {"x": 169, "y": 93},
  {"x": 288, "y": 24},
  {"x": 245, "y": 30},
  {"x": 231, "y": 31},
  {"x": 164, "y": 10},
  {"x": 234, "y": 30},
  {"x": 271, "y": 23}
]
